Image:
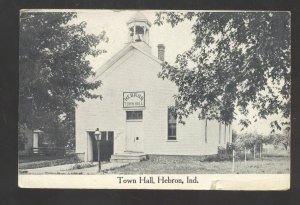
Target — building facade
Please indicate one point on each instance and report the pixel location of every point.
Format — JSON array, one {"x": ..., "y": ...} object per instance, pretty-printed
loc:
[{"x": 134, "y": 114}]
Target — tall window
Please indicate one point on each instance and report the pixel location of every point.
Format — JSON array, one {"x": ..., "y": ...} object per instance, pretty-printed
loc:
[{"x": 171, "y": 124}]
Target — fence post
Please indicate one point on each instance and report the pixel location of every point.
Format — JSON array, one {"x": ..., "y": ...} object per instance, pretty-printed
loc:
[
  {"x": 245, "y": 155},
  {"x": 260, "y": 151},
  {"x": 233, "y": 161}
]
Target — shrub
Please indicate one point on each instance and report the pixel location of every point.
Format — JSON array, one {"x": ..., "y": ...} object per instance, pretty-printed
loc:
[
  {"x": 209, "y": 158},
  {"x": 82, "y": 165},
  {"x": 224, "y": 154}
]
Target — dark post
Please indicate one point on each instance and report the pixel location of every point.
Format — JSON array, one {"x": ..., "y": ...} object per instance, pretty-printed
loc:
[
  {"x": 98, "y": 138},
  {"x": 254, "y": 151},
  {"x": 245, "y": 155},
  {"x": 99, "y": 158},
  {"x": 233, "y": 161}
]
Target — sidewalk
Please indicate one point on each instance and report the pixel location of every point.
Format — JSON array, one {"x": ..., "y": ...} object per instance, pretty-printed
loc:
[{"x": 66, "y": 169}]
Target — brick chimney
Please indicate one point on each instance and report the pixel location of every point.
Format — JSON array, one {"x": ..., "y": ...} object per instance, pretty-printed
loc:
[{"x": 161, "y": 52}]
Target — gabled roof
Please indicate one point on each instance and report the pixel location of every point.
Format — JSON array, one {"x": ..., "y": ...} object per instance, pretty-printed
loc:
[
  {"x": 119, "y": 55},
  {"x": 139, "y": 17}
]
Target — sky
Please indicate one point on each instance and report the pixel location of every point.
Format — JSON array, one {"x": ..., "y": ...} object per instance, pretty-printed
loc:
[
  {"x": 176, "y": 40},
  {"x": 114, "y": 24}
]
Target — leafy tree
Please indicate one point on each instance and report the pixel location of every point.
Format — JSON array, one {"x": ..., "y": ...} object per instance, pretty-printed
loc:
[
  {"x": 238, "y": 61},
  {"x": 282, "y": 139},
  {"x": 54, "y": 71},
  {"x": 22, "y": 139},
  {"x": 250, "y": 140},
  {"x": 234, "y": 136}
]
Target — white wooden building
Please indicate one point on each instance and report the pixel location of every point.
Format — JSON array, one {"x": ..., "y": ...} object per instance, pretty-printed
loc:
[{"x": 133, "y": 115}]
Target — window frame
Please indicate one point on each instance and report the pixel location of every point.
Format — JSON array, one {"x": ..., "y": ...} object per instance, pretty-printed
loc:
[{"x": 134, "y": 119}]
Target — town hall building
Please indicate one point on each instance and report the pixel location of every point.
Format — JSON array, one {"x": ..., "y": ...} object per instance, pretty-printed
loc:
[{"x": 134, "y": 116}]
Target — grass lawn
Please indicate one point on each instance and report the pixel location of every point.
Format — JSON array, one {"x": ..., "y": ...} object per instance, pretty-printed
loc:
[
  {"x": 47, "y": 162},
  {"x": 193, "y": 165}
]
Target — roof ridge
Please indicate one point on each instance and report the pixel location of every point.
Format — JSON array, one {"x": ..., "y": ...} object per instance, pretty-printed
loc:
[{"x": 119, "y": 55}]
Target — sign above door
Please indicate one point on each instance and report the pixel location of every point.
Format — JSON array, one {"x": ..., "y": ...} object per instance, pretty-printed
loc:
[{"x": 133, "y": 99}]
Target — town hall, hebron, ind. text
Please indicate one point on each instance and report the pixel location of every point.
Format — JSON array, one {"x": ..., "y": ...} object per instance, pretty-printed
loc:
[{"x": 134, "y": 116}]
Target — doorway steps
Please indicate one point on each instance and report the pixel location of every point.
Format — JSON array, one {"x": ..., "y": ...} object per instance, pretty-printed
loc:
[{"x": 128, "y": 157}]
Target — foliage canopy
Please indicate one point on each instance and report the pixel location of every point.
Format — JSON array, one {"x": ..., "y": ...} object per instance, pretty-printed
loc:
[
  {"x": 54, "y": 71},
  {"x": 238, "y": 61}
]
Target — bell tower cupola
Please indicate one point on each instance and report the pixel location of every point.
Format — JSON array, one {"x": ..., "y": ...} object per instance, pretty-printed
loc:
[{"x": 138, "y": 29}]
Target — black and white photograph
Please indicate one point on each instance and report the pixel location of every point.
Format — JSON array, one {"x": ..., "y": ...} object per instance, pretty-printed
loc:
[{"x": 154, "y": 99}]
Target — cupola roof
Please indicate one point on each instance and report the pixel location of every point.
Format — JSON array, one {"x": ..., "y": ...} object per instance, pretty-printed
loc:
[{"x": 139, "y": 17}]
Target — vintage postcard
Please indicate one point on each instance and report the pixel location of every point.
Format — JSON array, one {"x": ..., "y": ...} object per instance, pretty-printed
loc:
[{"x": 154, "y": 99}]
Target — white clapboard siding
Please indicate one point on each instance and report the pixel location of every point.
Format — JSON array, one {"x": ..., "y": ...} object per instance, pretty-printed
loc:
[{"x": 136, "y": 71}]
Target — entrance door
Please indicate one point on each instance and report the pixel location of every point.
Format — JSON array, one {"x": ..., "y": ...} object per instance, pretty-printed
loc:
[
  {"x": 134, "y": 136},
  {"x": 106, "y": 145}
]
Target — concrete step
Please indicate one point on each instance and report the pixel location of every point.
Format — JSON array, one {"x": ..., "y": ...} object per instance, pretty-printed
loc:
[{"x": 128, "y": 157}]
